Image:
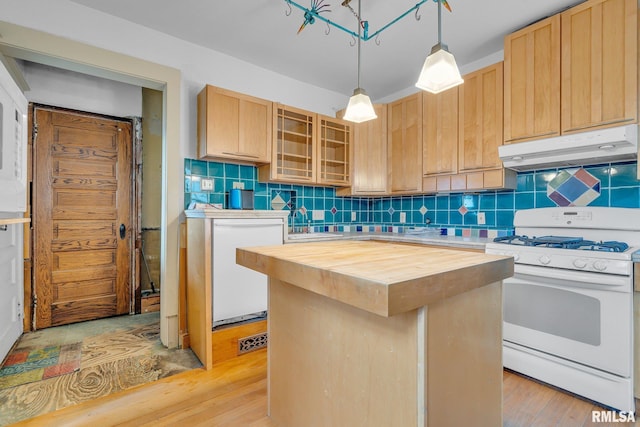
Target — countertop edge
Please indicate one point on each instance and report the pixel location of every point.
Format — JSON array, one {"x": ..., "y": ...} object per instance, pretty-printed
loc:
[
  {"x": 234, "y": 213},
  {"x": 381, "y": 298},
  {"x": 449, "y": 241}
]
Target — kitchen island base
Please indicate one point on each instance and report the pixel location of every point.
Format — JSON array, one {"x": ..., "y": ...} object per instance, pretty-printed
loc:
[{"x": 332, "y": 364}]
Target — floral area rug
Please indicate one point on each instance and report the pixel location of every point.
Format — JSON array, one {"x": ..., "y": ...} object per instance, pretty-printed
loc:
[{"x": 27, "y": 365}]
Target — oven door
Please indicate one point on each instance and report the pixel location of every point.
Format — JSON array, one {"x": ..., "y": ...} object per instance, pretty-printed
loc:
[{"x": 580, "y": 316}]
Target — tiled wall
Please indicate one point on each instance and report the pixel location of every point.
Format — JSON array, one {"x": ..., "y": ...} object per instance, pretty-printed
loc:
[{"x": 618, "y": 187}]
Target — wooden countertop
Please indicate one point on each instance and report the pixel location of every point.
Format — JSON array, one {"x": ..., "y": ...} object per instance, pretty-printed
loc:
[
  {"x": 379, "y": 277},
  {"x": 10, "y": 221}
]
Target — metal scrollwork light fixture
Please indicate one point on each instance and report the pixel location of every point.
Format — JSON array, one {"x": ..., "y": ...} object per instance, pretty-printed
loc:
[{"x": 439, "y": 72}]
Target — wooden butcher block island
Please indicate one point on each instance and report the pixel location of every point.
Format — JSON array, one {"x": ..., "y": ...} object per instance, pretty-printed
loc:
[{"x": 366, "y": 333}]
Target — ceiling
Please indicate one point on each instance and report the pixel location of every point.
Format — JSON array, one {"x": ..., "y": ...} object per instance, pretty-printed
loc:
[{"x": 260, "y": 32}]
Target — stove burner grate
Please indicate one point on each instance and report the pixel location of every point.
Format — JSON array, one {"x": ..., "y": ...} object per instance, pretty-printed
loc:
[{"x": 563, "y": 243}]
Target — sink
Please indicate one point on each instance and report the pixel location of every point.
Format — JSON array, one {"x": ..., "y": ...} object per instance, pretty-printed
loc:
[{"x": 313, "y": 236}]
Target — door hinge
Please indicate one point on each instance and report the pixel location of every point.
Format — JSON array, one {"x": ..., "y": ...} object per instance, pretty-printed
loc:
[{"x": 35, "y": 130}]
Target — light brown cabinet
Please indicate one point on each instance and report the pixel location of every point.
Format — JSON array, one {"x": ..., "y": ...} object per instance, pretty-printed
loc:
[
  {"x": 308, "y": 148},
  {"x": 334, "y": 151},
  {"x": 369, "y": 156},
  {"x": 480, "y": 117},
  {"x": 233, "y": 126},
  {"x": 294, "y": 150},
  {"x": 472, "y": 162},
  {"x": 404, "y": 130},
  {"x": 599, "y": 65},
  {"x": 440, "y": 132},
  {"x": 532, "y": 82}
]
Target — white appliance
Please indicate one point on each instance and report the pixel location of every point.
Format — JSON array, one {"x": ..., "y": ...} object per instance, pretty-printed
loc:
[
  {"x": 597, "y": 146},
  {"x": 13, "y": 176},
  {"x": 568, "y": 309},
  {"x": 13, "y": 145},
  {"x": 239, "y": 293}
]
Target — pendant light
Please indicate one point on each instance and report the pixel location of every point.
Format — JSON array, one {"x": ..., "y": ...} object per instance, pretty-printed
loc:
[
  {"x": 359, "y": 108},
  {"x": 439, "y": 71}
]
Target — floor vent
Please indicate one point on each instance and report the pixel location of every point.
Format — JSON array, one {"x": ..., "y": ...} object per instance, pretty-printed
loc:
[{"x": 252, "y": 343}]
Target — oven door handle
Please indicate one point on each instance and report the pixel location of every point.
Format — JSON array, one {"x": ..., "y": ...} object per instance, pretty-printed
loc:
[{"x": 574, "y": 278}]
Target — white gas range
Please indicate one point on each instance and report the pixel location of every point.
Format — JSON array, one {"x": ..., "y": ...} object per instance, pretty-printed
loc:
[{"x": 568, "y": 309}]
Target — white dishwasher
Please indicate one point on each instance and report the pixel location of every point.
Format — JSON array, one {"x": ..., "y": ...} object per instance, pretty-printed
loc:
[{"x": 239, "y": 293}]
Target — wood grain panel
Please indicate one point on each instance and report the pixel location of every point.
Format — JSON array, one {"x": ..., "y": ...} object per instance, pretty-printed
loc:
[
  {"x": 84, "y": 183},
  {"x": 83, "y": 259},
  {"x": 472, "y": 320},
  {"x": 599, "y": 65},
  {"x": 405, "y": 145},
  {"x": 95, "y": 273},
  {"x": 382, "y": 278},
  {"x": 481, "y": 119},
  {"x": 78, "y": 245},
  {"x": 70, "y": 168},
  {"x": 532, "y": 81},
  {"x": 66, "y": 230},
  {"x": 83, "y": 194},
  {"x": 225, "y": 341},
  {"x": 369, "y": 156},
  {"x": 199, "y": 289},
  {"x": 440, "y": 132},
  {"x": 79, "y": 198},
  {"x": 322, "y": 373},
  {"x": 78, "y": 140},
  {"x": 233, "y": 125},
  {"x": 71, "y": 290},
  {"x": 65, "y": 312}
]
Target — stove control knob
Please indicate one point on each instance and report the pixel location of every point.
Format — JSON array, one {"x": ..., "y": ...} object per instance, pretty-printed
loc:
[
  {"x": 579, "y": 263},
  {"x": 600, "y": 265},
  {"x": 544, "y": 260}
]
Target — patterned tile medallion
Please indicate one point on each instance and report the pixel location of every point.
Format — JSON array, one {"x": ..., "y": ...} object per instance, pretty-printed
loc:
[{"x": 573, "y": 187}]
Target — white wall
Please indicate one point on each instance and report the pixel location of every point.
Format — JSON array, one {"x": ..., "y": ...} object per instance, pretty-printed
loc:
[
  {"x": 199, "y": 66},
  {"x": 63, "y": 88}
]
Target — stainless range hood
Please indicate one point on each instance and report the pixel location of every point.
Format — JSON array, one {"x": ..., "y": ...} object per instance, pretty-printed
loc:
[{"x": 586, "y": 148}]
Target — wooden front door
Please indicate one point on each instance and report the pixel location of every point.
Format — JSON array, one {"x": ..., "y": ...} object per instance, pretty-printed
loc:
[{"x": 82, "y": 217}]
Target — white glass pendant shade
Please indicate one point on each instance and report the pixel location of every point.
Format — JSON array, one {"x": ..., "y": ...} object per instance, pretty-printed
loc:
[
  {"x": 439, "y": 72},
  {"x": 359, "y": 108}
]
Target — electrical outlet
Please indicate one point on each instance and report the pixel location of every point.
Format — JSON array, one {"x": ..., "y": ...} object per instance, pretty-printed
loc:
[
  {"x": 403, "y": 217},
  {"x": 317, "y": 215},
  {"x": 238, "y": 185},
  {"x": 481, "y": 218},
  {"x": 206, "y": 184},
  {"x": 354, "y": 216}
]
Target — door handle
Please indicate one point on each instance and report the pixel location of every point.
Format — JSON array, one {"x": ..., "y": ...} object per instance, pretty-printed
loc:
[{"x": 123, "y": 231}]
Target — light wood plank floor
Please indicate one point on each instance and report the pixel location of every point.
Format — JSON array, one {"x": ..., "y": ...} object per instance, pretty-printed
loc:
[{"x": 235, "y": 394}]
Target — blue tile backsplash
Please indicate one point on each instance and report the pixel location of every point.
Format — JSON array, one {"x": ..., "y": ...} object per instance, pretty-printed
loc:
[{"x": 616, "y": 186}]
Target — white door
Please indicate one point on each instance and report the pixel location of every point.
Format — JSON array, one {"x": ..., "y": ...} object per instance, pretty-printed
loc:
[
  {"x": 237, "y": 290},
  {"x": 11, "y": 293}
]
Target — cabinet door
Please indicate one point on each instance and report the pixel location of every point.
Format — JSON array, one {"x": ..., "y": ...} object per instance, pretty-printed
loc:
[
  {"x": 294, "y": 150},
  {"x": 440, "y": 132},
  {"x": 235, "y": 126},
  {"x": 369, "y": 158},
  {"x": 334, "y": 151},
  {"x": 405, "y": 144},
  {"x": 256, "y": 119},
  {"x": 599, "y": 64},
  {"x": 532, "y": 82},
  {"x": 480, "y": 119}
]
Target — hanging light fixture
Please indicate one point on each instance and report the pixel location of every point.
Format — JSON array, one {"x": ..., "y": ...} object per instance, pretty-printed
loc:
[
  {"x": 359, "y": 108},
  {"x": 439, "y": 71}
]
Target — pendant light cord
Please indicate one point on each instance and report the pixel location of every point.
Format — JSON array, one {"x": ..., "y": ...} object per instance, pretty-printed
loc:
[
  {"x": 439, "y": 21},
  {"x": 359, "y": 29}
]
